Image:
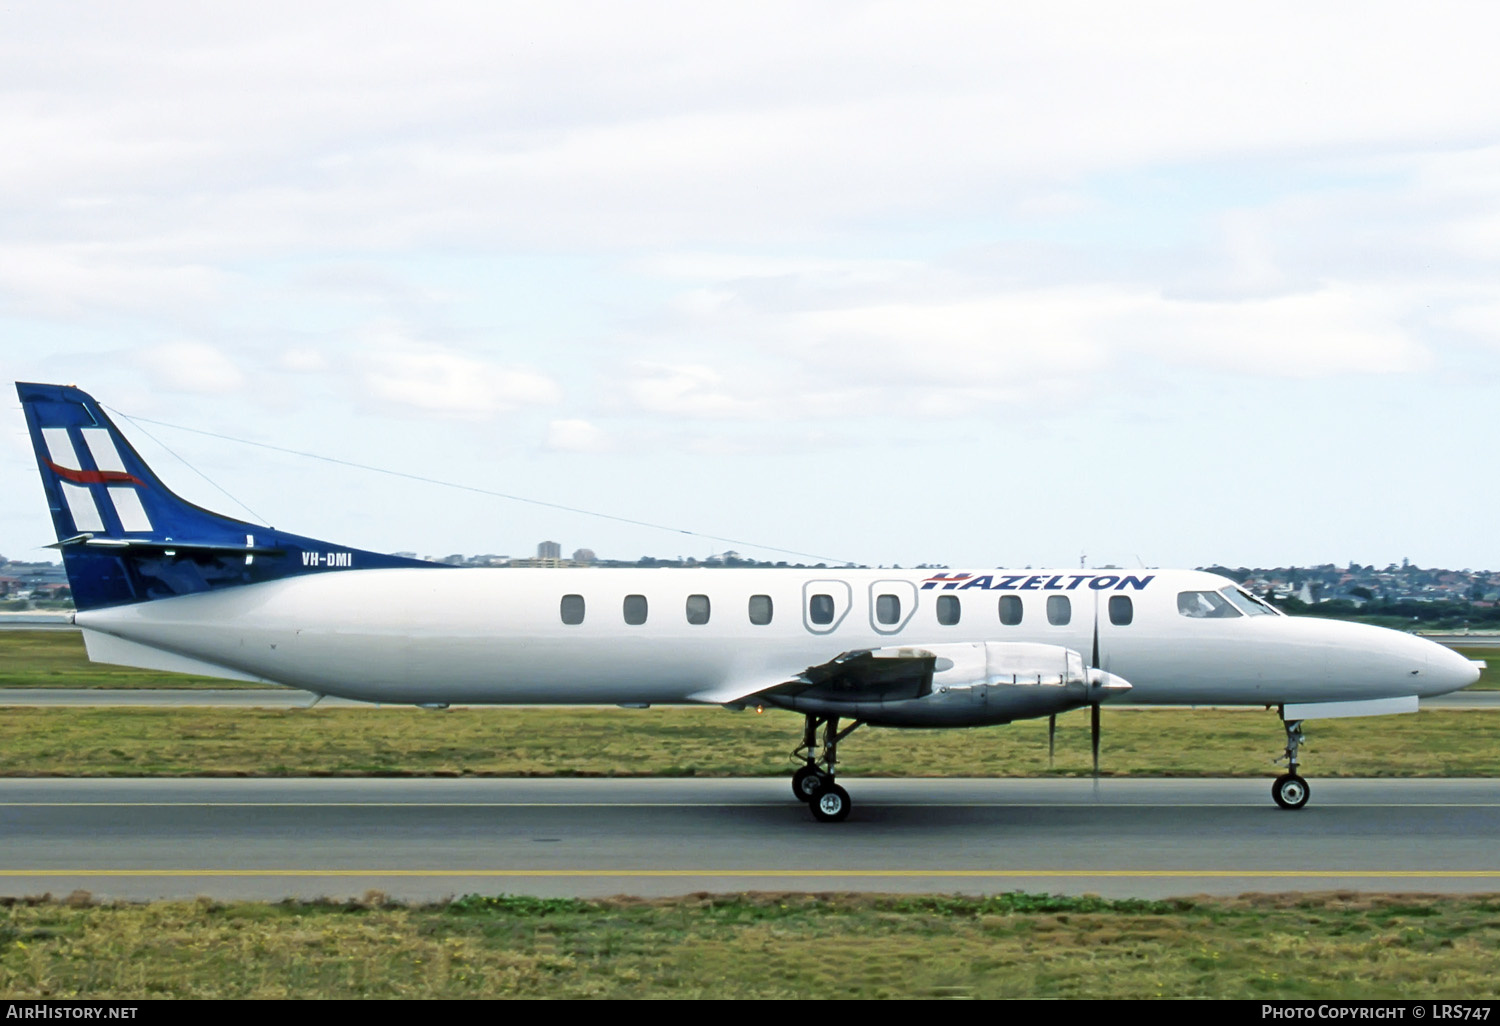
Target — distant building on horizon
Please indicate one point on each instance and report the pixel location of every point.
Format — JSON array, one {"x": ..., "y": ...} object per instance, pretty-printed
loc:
[{"x": 549, "y": 550}]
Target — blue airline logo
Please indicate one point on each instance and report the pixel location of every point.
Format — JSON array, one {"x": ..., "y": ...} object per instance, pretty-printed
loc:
[{"x": 1037, "y": 582}]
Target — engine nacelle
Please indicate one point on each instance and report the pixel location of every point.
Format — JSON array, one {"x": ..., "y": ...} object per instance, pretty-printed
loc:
[{"x": 952, "y": 685}]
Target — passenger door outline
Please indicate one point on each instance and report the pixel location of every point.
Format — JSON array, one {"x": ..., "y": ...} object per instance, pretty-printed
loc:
[
  {"x": 906, "y": 591},
  {"x": 842, "y": 597}
]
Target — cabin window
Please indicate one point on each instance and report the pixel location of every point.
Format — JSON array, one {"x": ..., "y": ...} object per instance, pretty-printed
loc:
[
  {"x": 697, "y": 609},
  {"x": 635, "y": 609},
  {"x": 1059, "y": 610},
  {"x": 948, "y": 610},
  {"x": 1010, "y": 610},
  {"x": 820, "y": 609},
  {"x": 1205, "y": 605},
  {"x": 572, "y": 609},
  {"x": 760, "y": 609},
  {"x": 888, "y": 609},
  {"x": 1121, "y": 610}
]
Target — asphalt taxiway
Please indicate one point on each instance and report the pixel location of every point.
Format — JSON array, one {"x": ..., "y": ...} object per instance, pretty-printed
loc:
[{"x": 426, "y": 839}]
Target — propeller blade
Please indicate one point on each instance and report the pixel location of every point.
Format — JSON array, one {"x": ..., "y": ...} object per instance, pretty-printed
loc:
[
  {"x": 1094, "y": 707},
  {"x": 1051, "y": 738},
  {"x": 1094, "y": 737}
]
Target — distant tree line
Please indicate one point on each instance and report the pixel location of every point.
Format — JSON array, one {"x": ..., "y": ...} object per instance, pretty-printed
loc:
[{"x": 1398, "y": 613}]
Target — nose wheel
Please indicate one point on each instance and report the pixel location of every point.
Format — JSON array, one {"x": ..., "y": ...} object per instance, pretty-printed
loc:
[
  {"x": 813, "y": 783},
  {"x": 1289, "y": 790}
]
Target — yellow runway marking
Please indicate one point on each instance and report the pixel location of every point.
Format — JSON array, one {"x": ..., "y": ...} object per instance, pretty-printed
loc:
[{"x": 1279, "y": 874}]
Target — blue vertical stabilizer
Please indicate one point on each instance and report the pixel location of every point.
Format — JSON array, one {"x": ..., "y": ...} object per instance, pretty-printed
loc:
[{"x": 126, "y": 538}]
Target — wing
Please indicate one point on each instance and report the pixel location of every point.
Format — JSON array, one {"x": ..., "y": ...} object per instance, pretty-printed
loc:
[{"x": 934, "y": 685}]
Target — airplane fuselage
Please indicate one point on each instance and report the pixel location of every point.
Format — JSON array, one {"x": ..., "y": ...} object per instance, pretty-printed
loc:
[{"x": 672, "y": 635}]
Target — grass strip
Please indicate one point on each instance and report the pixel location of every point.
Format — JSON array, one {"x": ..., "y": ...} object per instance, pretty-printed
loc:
[
  {"x": 1331, "y": 945},
  {"x": 679, "y": 742}
]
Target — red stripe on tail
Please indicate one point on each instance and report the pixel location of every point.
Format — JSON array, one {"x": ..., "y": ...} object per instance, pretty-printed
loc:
[{"x": 95, "y": 476}]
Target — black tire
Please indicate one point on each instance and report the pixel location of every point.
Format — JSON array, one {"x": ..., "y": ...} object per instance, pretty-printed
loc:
[
  {"x": 1290, "y": 791},
  {"x": 831, "y": 806},
  {"x": 809, "y": 782}
]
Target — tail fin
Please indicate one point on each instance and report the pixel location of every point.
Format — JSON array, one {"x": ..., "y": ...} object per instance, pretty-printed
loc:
[{"x": 126, "y": 538}]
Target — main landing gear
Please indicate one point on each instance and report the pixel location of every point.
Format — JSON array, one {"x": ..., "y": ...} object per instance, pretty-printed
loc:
[
  {"x": 1289, "y": 790},
  {"x": 813, "y": 783}
]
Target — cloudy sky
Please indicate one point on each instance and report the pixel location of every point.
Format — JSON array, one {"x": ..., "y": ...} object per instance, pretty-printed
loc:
[{"x": 971, "y": 283}]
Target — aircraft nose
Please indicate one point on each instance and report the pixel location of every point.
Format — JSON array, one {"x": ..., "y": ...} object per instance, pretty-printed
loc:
[{"x": 1447, "y": 670}]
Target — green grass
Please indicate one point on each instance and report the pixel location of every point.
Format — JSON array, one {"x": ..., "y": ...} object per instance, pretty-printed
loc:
[
  {"x": 759, "y": 946},
  {"x": 711, "y": 742}
]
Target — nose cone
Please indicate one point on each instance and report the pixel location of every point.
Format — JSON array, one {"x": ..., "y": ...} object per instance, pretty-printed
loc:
[
  {"x": 1376, "y": 662},
  {"x": 1447, "y": 671}
]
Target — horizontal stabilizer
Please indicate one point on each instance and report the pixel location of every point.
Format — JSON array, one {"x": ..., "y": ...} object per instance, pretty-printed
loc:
[
  {"x": 106, "y": 648},
  {"x": 153, "y": 545}
]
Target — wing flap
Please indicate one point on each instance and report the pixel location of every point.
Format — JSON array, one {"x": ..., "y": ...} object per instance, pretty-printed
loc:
[{"x": 880, "y": 674}]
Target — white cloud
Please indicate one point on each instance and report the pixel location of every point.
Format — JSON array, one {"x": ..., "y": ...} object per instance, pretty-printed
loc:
[
  {"x": 190, "y": 367},
  {"x": 1460, "y": 171},
  {"x": 998, "y": 340},
  {"x": 1336, "y": 330},
  {"x": 581, "y": 125},
  {"x": 717, "y": 266},
  {"x": 439, "y": 380},
  {"x": 939, "y": 356},
  {"x": 1480, "y": 319},
  {"x": 303, "y": 361},
  {"x": 691, "y": 391},
  {"x": 67, "y": 280},
  {"x": 577, "y": 436}
]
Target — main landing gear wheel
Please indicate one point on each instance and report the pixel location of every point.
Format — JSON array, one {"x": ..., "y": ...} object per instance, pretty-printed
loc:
[
  {"x": 831, "y": 806},
  {"x": 1290, "y": 791},
  {"x": 809, "y": 782},
  {"x": 813, "y": 782}
]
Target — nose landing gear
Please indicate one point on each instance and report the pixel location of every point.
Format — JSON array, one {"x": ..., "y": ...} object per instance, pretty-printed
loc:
[
  {"x": 1289, "y": 790},
  {"x": 813, "y": 783}
]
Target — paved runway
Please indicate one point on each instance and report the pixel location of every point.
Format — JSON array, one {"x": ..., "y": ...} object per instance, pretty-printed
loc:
[{"x": 425, "y": 839}]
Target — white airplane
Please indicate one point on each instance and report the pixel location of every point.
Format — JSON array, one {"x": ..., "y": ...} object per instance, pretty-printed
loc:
[{"x": 164, "y": 584}]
